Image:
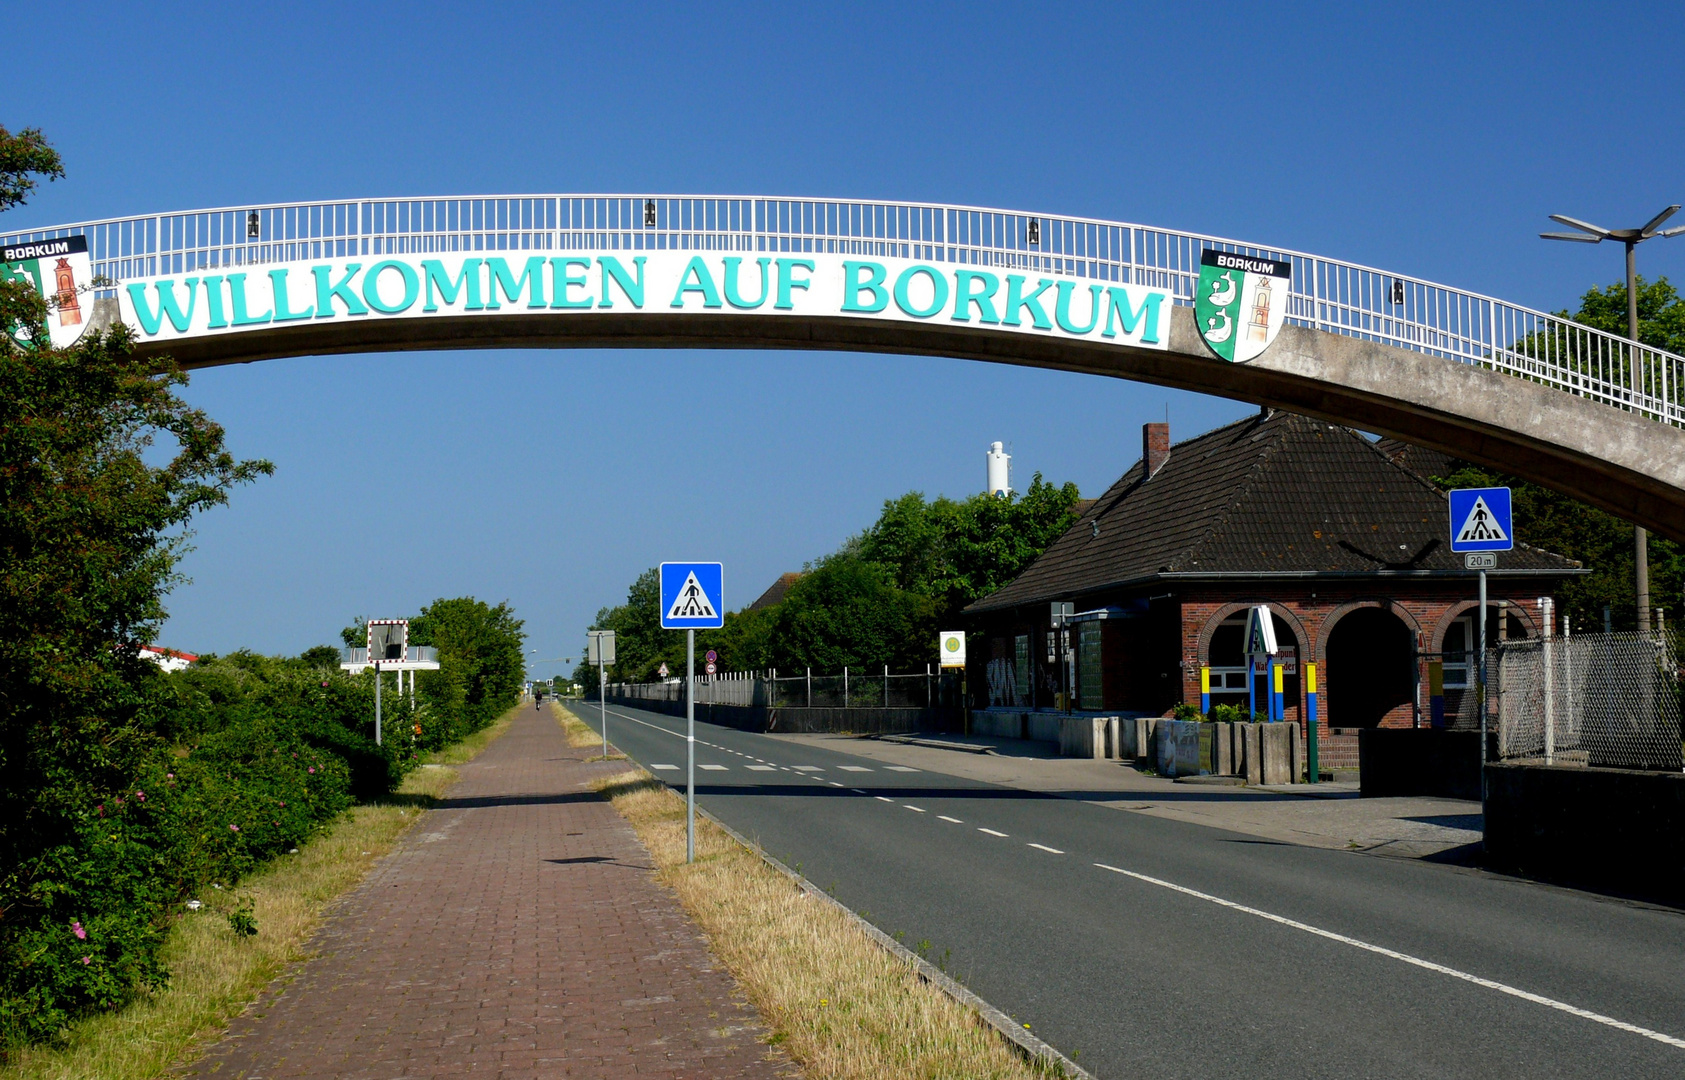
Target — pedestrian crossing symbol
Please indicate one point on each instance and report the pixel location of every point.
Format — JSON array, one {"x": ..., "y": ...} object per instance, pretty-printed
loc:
[
  {"x": 691, "y": 596},
  {"x": 1480, "y": 520}
]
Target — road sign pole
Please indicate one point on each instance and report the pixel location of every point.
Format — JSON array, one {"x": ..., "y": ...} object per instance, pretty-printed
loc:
[
  {"x": 1480, "y": 693},
  {"x": 690, "y": 747},
  {"x": 602, "y": 701},
  {"x": 377, "y": 704}
]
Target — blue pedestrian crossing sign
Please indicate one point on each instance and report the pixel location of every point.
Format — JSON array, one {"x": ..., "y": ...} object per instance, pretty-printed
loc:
[
  {"x": 692, "y": 596},
  {"x": 1480, "y": 520}
]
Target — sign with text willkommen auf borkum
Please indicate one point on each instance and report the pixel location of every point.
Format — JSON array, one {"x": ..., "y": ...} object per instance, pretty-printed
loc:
[
  {"x": 692, "y": 596},
  {"x": 235, "y": 300},
  {"x": 1481, "y": 520},
  {"x": 60, "y": 271},
  {"x": 1240, "y": 303}
]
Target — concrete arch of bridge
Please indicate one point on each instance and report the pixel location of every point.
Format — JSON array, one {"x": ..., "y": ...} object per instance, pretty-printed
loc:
[{"x": 1629, "y": 465}]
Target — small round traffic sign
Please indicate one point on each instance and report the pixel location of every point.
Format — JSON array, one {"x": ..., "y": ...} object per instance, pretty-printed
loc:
[
  {"x": 711, "y": 656},
  {"x": 710, "y": 667}
]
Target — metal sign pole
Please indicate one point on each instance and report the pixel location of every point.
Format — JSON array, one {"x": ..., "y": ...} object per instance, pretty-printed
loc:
[
  {"x": 602, "y": 699},
  {"x": 1480, "y": 694},
  {"x": 690, "y": 746},
  {"x": 377, "y": 704}
]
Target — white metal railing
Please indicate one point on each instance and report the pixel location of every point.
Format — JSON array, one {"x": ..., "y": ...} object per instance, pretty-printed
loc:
[{"x": 1327, "y": 294}]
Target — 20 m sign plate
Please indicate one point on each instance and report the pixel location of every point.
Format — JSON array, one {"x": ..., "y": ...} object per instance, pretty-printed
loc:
[{"x": 1240, "y": 303}]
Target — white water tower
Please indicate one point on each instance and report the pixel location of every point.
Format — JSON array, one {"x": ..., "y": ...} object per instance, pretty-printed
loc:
[{"x": 1000, "y": 470}]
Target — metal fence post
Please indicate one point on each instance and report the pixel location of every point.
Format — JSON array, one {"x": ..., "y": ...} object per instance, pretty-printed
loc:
[
  {"x": 810, "y": 688},
  {"x": 845, "y": 686},
  {"x": 886, "y": 686}
]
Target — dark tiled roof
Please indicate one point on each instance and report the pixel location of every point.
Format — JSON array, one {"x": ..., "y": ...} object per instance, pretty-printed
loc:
[
  {"x": 775, "y": 592},
  {"x": 1267, "y": 494},
  {"x": 1418, "y": 459}
]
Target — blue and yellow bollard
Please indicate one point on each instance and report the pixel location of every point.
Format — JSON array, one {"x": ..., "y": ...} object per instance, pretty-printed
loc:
[
  {"x": 1278, "y": 707},
  {"x": 1311, "y": 768},
  {"x": 1204, "y": 690},
  {"x": 1436, "y": 693}
]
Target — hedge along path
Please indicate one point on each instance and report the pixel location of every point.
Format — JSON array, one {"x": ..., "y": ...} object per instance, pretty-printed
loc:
[
  {"x": 838, "y": 1004},
  {"x": 213, "y": 974}
]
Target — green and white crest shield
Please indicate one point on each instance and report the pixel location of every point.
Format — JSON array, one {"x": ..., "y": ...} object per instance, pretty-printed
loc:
[
  {"x": 1240, "y": 303},
  {"x": 60, "y": 271}
]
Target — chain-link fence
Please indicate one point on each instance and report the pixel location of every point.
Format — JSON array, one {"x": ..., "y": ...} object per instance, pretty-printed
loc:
[{"x": 1594, "y": 699}]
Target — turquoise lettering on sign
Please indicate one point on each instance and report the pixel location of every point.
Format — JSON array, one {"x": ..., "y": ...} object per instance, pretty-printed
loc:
[
  {"x": 732, "y": 296},
  {"x": 1118, "y": 304},
  {"x": 327, "y": 293},
  {"x": 502, "y": 276},
  {"x": 965, "y": 296},
  {"x": 468, "y": 279},
  {"x": 787, "y": 280},
  {"x": 696, "y": 270},
  {"x": 237, "y": 298},
  {"x": 213, "y": 303},
  {"x": 562, "y": 271},
  {"x": 151, "y": 321},
  {"x": 853, "y": 287},
  {"x": 1015, "y": 299},
  {"x": 412, "y": 286},
  {"x": 1062, "y": 308},
  {"x": 283, "y": 306},
  {"x": 938, "y": 282},
  {"x": 633, "y": 290}
]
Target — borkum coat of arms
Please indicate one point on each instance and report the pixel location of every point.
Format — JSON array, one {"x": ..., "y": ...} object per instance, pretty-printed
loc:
[{"x": 1240, "y": 303}]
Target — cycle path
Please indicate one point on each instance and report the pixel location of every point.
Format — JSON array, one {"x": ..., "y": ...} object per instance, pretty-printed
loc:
[{"x": 516, "y": 932}]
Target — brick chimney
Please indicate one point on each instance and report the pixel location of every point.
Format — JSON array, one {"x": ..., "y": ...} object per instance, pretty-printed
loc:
[{"x": 1155, "y": 447}]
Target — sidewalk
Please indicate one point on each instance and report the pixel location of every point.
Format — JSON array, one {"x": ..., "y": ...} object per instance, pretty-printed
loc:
[
  {"x": 1319, "y": 815},
  {"x": 516, "y": 932}
]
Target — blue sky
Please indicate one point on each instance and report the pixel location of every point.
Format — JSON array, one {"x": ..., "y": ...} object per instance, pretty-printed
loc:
[{"x": 1427, "y": 139}]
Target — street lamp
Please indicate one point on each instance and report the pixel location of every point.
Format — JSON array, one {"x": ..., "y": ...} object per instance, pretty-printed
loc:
[{"x": 1595, "y": 234}]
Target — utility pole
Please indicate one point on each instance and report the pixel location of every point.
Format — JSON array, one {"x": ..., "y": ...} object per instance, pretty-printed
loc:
[{"x": 1595, "y": 234}]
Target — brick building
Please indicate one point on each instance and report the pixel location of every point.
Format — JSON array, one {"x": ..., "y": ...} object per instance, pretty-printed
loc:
[{"x": 1343, "y": 541}]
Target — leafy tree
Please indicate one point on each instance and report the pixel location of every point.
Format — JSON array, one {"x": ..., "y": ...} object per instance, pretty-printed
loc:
[
  {"x": 877, "y": 600},
  {"x": 91, "y": 533},
  {"x": 23, "y": 157},
  {"x": 481, "y": 663},
  {"x": 1661, "y": 313}
]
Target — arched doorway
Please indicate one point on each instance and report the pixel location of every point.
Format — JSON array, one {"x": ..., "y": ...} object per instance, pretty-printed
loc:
[
  {"x": 1230, "y": 676},
  {"x": 1371, "y": 668}
]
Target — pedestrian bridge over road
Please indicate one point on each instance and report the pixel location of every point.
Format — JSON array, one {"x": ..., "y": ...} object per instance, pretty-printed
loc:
[{"x": 1582, "y": 411}]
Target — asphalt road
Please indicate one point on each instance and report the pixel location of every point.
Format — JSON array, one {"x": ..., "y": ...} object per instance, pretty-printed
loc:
[{"x": 1142, "y": 946}]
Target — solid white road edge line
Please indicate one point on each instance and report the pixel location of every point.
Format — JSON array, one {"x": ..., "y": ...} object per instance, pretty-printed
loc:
[{"x": 1415, "y": 961}]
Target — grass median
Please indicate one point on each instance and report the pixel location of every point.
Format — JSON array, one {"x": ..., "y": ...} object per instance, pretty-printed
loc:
[
  {"x": 839, "y": 1005},
  {"x": 214, "y": 972}
]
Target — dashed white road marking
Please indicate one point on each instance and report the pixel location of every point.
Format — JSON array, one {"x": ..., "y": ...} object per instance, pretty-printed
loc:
[
  {"x": 713, "y": 768},
  {"x": 1049, "y": 850},
  {"x": 1414, "y": 961},
  {"x": 835, "y": 784},
  {"x": 853, "y": 768},
  {"x": 664, "y": 766},
  {"x": 991, "y": 832},
  {"x": 901, "y": 768},
  {"x": 885, "y": 798},
  {"x": 955, "y": 820},
  {"x": 808, "y": 768},
  {"x": 914, "y": 809},
  {"x": 858, "y": 791},
  {"x": 761, "y": 768}
]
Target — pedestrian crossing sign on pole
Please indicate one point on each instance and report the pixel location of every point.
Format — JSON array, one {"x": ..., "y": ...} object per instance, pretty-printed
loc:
[
  {"x": 1480, "y": 520},
  {"x": 692, "y": 596}
]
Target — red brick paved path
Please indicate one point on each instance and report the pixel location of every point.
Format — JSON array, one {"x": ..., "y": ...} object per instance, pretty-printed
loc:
[{"x": 515, "y": 932}]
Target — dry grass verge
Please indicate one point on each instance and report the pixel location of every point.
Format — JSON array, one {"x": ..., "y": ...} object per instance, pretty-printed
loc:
[
  {"x": 579, "y": 733},
  {"x": 839, "y": 1005},
  {"x": 213, "y": 973}
]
